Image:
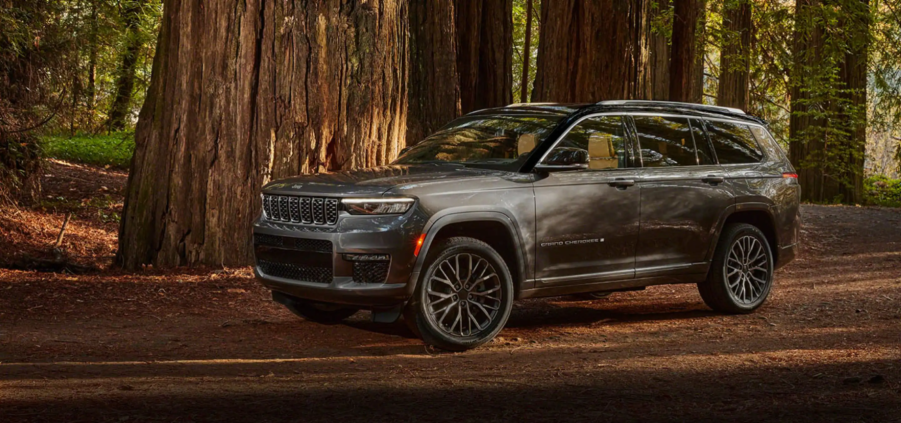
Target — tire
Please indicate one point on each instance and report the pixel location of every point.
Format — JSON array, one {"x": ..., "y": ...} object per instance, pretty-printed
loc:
[
  {"x": 741, "y": 274},
  {"x": 484, "y": 295},
  {"x": 326, "y": 314}
]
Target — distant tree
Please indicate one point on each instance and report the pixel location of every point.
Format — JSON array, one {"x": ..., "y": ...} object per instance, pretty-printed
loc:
[
  {"x": 125, "y": 81},
  {"x": 735, "y": 55},
  {"x": 593, "y": 50},
  {"x": 687, "y": 60},
  {"x": 659, "y": 48},
  {"x": 526, "y": 55},
  {"x": 485, "y": 53},
  {"x": 829, "y": 98}
]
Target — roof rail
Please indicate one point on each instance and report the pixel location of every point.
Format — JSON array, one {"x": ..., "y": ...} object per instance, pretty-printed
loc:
[{"x": 671, "y": 104}]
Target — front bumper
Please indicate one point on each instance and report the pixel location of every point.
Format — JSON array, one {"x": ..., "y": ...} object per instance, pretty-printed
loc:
[{"x": 281, "y": 249}]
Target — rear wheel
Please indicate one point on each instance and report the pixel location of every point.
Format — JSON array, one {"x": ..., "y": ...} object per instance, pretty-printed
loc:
[
  {"x": 741, "y": 274},
  {"x": 464, "y": 298},
  {"x": 328, "y": 314}
]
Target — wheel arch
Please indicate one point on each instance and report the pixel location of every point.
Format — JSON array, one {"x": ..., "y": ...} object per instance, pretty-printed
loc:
[
  {"x": 495, "y": 228},
  {"x": 760, "y": 215}
]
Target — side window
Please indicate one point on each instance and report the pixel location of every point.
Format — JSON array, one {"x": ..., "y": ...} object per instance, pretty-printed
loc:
[
  {"x": 734, "y": 143},
  {"x": 665, "y": 141},
  {"x": 705, "y": 155},
  {"x": 603, "y": 138}
]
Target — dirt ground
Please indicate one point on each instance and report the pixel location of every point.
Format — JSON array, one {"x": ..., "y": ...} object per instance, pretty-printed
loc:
[{"x": 210, "y": 345}]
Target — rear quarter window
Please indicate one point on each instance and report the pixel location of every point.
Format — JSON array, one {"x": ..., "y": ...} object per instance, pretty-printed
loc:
[{"x": 734, "y": 143}]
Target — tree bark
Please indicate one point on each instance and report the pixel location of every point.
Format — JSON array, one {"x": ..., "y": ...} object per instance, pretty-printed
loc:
[
  {"x": 485, "y": 53},
  {"x": 526, "y": 55},
  {"x": 829, "y": 100},
  {"x": 91, "y": 90},
  {"x": 853, "y": 99},
  {"x": 593, "y": 50},
  {"x": 686, "y": 65},
  {"x": 735, "y": 56},
  {"x": 434, "y": 88},
  {"x": 243, "y": 92},
  {"x": 125, "y": 82},
  {"x": 660, "y": 53},
  {"x": 807, "y": 129}
]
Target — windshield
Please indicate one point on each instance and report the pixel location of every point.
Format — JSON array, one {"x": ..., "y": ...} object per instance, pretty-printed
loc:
[{"x": 491, "y": 141}]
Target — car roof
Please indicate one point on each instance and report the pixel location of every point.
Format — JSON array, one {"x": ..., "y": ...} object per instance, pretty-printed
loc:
[{"x": 570, "y": 109}]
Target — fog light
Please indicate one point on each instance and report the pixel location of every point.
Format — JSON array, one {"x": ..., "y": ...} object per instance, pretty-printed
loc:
[{"x": 367, "y": 257}]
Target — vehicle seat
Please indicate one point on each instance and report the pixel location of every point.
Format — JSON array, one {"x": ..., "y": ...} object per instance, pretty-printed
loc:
[
  {"x": 600, "y": 149},
  {"x": 525, "y": 144}
]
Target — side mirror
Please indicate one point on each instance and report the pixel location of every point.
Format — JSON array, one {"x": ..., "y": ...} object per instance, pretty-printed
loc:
[{"x": 564, "y": 158}]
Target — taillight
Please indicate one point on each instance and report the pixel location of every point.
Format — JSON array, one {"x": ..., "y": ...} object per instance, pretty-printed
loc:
[{"x": 790, "y": 175}]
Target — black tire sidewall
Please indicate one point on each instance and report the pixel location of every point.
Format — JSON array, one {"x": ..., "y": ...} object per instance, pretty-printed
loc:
[{"x": 435, "y": 336}]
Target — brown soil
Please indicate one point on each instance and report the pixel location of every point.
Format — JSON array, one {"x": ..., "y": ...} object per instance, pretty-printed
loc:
[{"x": 209, "y": 345}]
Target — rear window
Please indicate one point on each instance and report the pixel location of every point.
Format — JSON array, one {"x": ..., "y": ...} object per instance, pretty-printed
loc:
[
  {"x": 665, "y": 141},
  {"x": 733, "y": 143}
]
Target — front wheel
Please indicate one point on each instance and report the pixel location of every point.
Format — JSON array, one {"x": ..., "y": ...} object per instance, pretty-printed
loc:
[
  {"x": 464, "y": 297},
  {"x": 741, "y": 274}
]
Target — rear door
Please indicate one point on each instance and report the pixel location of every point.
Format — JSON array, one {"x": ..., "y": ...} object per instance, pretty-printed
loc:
[
  {"x": 587, "y": 220},
  {"x": 683, "y": 194}
]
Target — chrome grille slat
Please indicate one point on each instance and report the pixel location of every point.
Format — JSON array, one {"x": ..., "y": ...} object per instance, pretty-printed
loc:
[
  {"x": 318, "y": 212},
  {"x": 305, "y": 210}
]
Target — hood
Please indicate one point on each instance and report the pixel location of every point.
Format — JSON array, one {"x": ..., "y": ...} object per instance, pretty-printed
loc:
[{"x": 375, "y": 181}]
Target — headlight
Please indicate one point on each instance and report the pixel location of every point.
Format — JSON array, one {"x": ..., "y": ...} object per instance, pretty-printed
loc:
[{"x": 372, "y": 206}]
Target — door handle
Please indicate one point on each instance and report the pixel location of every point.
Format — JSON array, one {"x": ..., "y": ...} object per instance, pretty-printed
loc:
[
  {"x": 713, "y": 179},
  {"x": 621, "y": 183}
]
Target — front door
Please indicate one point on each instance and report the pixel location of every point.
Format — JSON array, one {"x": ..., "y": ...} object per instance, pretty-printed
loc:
[
  {"x": 587, "y": 220},
  {"x": 683, "y": 195}
]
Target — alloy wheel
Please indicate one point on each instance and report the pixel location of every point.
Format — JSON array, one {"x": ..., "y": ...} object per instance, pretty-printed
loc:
[
  {"x": 463, "y": 295},
  {"x": 747, "y": 269}
]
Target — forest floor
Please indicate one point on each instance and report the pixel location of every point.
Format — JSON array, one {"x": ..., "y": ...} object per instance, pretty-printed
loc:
[{"x": 210, "y": 345}]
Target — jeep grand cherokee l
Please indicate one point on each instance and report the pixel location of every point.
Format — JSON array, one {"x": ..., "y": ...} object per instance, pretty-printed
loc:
[{"x": 536, "y": 200}]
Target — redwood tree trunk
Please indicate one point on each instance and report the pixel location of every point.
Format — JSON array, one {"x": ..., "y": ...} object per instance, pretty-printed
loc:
[
  {"x": 125, "y": 82},
  {"x": 434, "y": 96},
  {"x": 243, "y": 92},
  {"x": 485, "y": 53},
  {"x": 735, "y": 57},
  {"x": 807, "y": 129},
  {"x": 853, "y": 103},
  {"x": 686, "y": 76},
  {"x": 593, "y": 50},
  {"x": 660, "y": 53}
]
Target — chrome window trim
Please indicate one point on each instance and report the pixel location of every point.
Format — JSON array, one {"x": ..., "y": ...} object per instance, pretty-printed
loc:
[{"x": 675, "y": 115}]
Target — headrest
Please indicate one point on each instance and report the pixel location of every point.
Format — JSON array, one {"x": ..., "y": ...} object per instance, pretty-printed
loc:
[
  {"x": 526, "y": 143},
  {"x": 600, "y": 146}
]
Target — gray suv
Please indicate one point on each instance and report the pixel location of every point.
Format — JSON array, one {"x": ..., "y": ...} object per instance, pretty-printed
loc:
[{"x": 536, "y": 200}]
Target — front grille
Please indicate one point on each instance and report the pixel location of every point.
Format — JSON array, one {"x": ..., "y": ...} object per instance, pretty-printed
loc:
[
  {"x": 370, "y": 272},
  {"x": 296, "y": 272},
  {"x": 268, "y": 240},
  {"x": 300, "y": 244},
  {"x": 306, "y": 210},
  {"x": 313, "y": 245}
]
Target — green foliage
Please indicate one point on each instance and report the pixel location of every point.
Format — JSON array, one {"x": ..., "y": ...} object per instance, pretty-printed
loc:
[
  {"x": 882, "y": 191},
  {"x": 113, "y": 150},
  {"x": 519, "y": 35}
]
